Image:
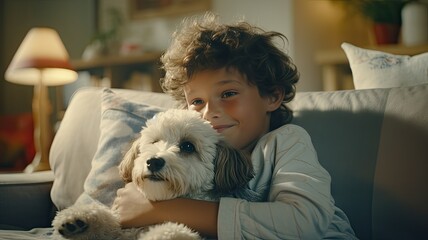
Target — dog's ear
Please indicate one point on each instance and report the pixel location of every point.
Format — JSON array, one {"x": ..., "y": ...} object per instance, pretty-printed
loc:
[
  {"x": 233, "y": 169},
  {"x": 127, "y": 163}
]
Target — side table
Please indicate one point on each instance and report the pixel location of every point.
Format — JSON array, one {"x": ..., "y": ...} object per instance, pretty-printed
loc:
[{"x": 25, "y": 201}]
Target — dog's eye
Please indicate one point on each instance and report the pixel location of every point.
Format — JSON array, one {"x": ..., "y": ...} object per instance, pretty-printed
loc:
[{"x": 187, "y": 147}]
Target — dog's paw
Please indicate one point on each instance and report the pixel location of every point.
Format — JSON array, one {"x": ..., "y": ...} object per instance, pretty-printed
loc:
[
  {"x": 84, "y": 222},
  {"x": 170, "y": 231},
  {"x": 74, "y": 227}
]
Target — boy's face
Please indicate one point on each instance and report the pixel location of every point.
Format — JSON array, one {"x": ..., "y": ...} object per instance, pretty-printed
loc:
[{"x": 234, "y": 108}]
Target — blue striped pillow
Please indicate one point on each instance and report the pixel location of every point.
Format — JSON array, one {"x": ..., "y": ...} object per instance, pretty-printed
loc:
[{"x": 121, "y": 122}]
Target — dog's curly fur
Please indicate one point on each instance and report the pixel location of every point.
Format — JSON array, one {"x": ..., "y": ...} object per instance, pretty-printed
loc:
[{"x": 178, "y": 154}]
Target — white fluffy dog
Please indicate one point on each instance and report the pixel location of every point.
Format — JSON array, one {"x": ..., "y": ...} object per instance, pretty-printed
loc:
[{"x": 178, "y": 154}]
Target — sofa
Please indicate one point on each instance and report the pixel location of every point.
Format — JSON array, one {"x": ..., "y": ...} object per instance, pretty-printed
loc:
[{"x": 373, "y": 142}]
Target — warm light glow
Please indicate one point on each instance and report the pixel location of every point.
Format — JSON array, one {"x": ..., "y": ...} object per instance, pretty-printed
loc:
[
  {"x": 41, "y": 49},
  {"x": 41, "y": 60}
]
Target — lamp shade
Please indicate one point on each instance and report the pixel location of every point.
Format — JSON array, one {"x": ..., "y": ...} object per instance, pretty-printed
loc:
[{"x": 41, "y": 52}]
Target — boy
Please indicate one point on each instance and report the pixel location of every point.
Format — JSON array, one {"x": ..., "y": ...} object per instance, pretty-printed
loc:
[{"x": 240, "y": 81}]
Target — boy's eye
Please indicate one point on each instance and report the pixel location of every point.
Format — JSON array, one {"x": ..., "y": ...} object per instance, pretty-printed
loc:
[
  {"x": 228, "y": 94},
  {"x": 197, "y": 102}
]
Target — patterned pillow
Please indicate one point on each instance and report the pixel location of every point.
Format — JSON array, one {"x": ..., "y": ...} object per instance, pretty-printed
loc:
[
  {"x": 121, "y": 122},
  {"x": 375, "y": 69}
]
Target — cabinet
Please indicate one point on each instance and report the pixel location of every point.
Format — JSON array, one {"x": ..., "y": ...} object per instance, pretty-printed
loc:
[
  {"x": 336, "y": 73},
  {"x": 140, "y": 72}
]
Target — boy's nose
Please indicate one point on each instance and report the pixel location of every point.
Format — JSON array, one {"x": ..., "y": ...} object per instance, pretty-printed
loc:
[{"x": 210, "y": 111}]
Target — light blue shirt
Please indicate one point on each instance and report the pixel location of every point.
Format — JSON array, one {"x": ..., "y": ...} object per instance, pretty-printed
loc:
[{"x": 296, "y": 191}]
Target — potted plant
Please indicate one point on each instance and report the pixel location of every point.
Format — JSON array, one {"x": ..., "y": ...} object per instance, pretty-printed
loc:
[
  {"x": 385, "y": 15},
  {"x": 102, "y": 42}
]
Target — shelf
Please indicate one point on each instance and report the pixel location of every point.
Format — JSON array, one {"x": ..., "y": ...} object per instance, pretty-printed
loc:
[
  {"x": 130, "y": 71},
  {"x": 337, "y": 56},
  {"x": 110, "y": 61}
]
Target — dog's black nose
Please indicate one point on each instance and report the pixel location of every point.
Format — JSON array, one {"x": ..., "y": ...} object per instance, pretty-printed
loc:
[{"x": 155, "y": 164}]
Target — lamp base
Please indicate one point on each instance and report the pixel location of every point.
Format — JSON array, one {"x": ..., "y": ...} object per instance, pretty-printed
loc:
[
  {"x": 42, "y": 129},
  {"x": 38, "y": 164}
]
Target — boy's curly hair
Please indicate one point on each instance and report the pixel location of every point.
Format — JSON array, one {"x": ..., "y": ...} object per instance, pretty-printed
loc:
[{"x": 204, "y": 43}]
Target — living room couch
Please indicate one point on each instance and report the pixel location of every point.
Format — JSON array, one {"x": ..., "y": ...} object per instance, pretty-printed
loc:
[{"x": 373, "y": 142}]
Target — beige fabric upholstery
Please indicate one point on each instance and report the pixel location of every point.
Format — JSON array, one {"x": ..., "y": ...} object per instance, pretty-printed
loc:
[
  {"x": 345, "y": 129},
  {"x": 373, "y": 142},
  {"x": 400, "y": 196},
  {"x": 77, "y": 139}
]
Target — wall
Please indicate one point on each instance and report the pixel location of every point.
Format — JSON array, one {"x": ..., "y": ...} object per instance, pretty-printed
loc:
[
  {"x": 75, "y": 21},
  {"x": 271, "y": 15},
  {"x": 319, "y": 25},
  {"x": 310, "y": 25},
  {"x": 155, "y": 33}
]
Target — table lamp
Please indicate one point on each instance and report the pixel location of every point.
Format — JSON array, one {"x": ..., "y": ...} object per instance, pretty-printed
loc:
[{"x": 41, "y": 60}]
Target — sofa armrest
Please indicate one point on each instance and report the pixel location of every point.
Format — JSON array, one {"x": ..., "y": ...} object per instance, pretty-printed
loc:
[{"x": 25, "y": 201}]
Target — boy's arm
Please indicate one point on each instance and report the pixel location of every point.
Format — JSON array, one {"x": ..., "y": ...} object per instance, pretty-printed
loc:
[
  {"x": 296, "y": 187},
  {"x": 135, "y": 211},
  {"x": 198, "y": 215}
]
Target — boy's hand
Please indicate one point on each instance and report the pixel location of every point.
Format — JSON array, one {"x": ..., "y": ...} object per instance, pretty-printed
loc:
[{"x": 133, "y": 208}]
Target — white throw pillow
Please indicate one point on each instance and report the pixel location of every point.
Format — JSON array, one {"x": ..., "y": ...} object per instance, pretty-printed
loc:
[
  {"x": 376, "y": 69},
  {"x": 121, "y": 122}
]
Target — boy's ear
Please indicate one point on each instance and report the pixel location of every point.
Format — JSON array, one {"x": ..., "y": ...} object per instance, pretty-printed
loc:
[{"x": 275, "y": 99}]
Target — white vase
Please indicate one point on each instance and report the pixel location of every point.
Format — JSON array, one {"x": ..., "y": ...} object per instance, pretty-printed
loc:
[{"x": 414, "y": 27}]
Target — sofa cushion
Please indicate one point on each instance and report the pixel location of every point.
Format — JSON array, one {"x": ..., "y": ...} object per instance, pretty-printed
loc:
[
  {"x": 376, "y": 69},
  {"x": 400, "y": 195},
  {"x": 121, "y": 122},
  {"x": 76, "y": 140},
  {"x": 345, "y": 130},
  {"x": 74, "y": 146}
]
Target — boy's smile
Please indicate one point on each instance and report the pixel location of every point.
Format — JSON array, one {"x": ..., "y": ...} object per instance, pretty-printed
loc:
[
  {"x": 221, "y": 128},
  {"x": 231, "y": 104}
]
